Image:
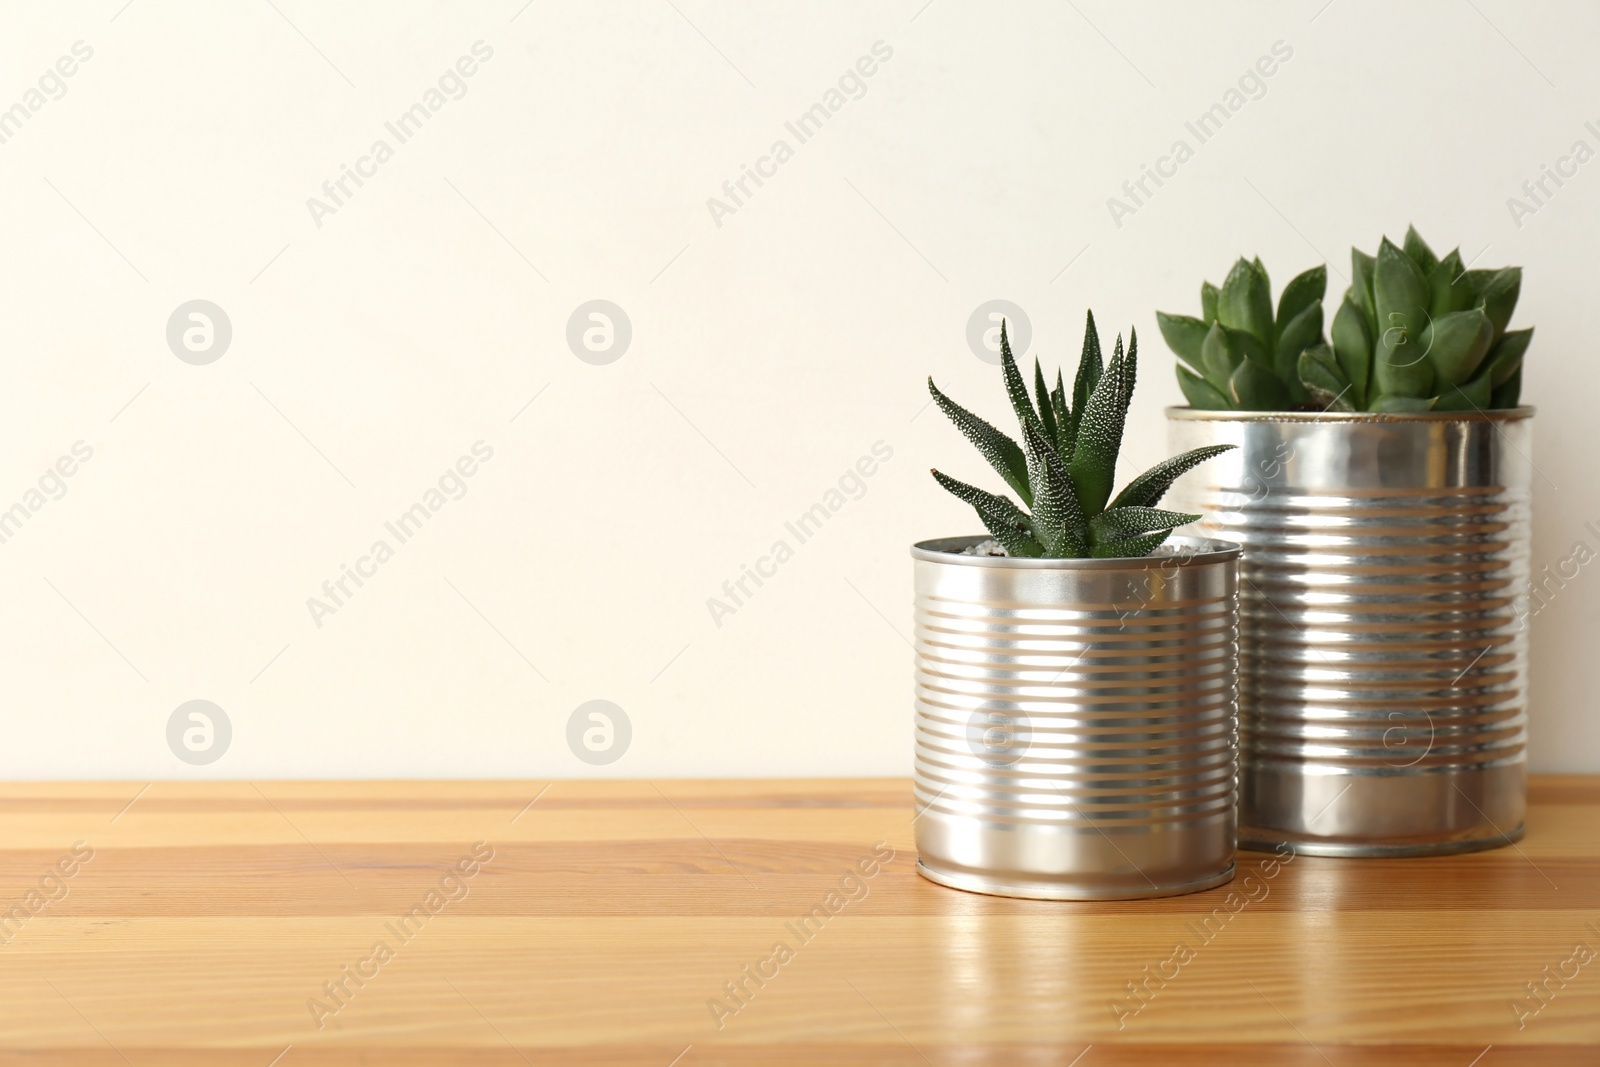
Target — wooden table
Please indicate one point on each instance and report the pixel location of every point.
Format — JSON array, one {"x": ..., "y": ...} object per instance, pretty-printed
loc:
[{"x": 232, "y": 923}]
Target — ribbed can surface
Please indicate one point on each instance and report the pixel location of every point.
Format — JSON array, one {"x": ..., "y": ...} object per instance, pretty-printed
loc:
[
  {"x": 1075, "y": 721},
  {"x": 1383, "y": 646}
]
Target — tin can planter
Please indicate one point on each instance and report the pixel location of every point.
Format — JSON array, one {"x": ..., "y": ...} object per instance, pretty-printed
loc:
[
  {"x": 1076, "y": 729},
  {"x": 1383, "y": 651}
]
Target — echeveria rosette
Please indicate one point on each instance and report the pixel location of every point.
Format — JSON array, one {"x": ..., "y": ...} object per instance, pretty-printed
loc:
[
  {"x": 1240, "y": 355},
  {"x": 1064, "y": 468},
  {"x": 1419, "y": 333},
  {"x": 1413, "y": 333}
]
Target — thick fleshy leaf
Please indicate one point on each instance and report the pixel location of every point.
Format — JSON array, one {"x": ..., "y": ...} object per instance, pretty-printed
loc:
[
  {"x": 1403, "y": 403},
  {"x": 1041, "y": 396},
  {"x": 1473, "y": 396},
  {"x": 1058, "y": 406},
  {"x": 1089, "y": 371},
  {"x": 1132, "y": 548},
  {"x": 1324, "y": 379},
  {"x": 1245, "y": 302},
  {"x": 1418, "y": 250},
  {"x": 1003, "y": 454},
  {"x": 1352, "y": 346},
  {"x": 1220, "y": 356},
  {"x": 1400, "y": 364},
  {"x": 1508, "y": 394},
  {"x": 1209, "y": 295},
  {"x": 1094, "y": 456},
  {"x": 1456, "y": 344},
  {"x": 1058, "y": 519},
  {"x": 1447, "y": 286},
  {"x": 1497, "y": 292},
  {"x": 1119, "y": 524},
  {"x": 1302, "y": 332},
  {"x": 1304, "y": 289},
  {"x": 1362, "y": 268},
  {"x": 1201, "y": 394},
  {"x": 1184, "y": 335},
  {"x": 1005, "y": 522},
  {"x": 1147, "y": 490},
  {"x": 1002, "y": 506},
  {"x": 1016, "y": 388},
  {"x": 1250, "y": 346},
  {"x": 1255, "y": 388},
  {"x": 1401, "y": 297},
  {"x": 1261, "y": 269},
  {"x": 1505, "y": 358}
]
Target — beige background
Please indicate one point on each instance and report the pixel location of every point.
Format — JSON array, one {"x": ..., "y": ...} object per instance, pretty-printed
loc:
[{"x": 769, "y": 354}]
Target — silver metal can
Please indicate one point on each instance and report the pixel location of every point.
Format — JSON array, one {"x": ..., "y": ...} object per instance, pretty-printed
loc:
[
  {"x": 1383, "y": 646},
  {"x": 1076, "y": 728}
]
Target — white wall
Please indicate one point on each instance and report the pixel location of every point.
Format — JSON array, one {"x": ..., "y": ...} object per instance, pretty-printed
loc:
[{"x": 771, "y": 348}]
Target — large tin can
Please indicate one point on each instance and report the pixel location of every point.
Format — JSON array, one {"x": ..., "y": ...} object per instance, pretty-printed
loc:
[{"x": 1383, "y": 645}]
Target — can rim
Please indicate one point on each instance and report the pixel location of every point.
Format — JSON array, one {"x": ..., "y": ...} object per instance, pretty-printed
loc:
[
  {"x": 1189, "y": 414},
  {"x": 1207, "y": 551}
]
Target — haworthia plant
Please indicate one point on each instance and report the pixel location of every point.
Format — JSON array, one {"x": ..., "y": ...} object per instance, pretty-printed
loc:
[
  {"x": 1414, "y": 333},
  {"x": 1063, "y": 469}
]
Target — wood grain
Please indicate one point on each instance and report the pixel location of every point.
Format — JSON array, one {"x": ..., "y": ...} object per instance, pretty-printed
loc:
[{"x": 612, "y": 914}]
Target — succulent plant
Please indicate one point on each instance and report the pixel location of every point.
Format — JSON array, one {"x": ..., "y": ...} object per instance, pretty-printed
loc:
[
  {"x": 1413, "y": 333},
  {"x": 1065, "y": 466},
  {"x": 1419, "y": 333},
  {"x": 1242, "y": 357}
]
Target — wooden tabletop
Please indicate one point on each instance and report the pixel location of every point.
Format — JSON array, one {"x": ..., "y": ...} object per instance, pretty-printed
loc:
[{"x": 657, "y": 923}]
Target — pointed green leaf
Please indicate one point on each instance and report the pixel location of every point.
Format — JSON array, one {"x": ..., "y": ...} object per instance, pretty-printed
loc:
[
  {"x": 1119, "y": 524},
  {"x": 1508, "y": 394},
  {"x": 1302, "y": 332},
  {"x": 1303, "y": 290},
  {"x": 1497, "y": 293},
  {"x": 1094, "y": 457},
  {"x": 1505, "y": 358},
  {"x": 1089, "y": 371},
  {"x": 1250, "y": 346},
  {"x": 1400, "y": 361},
  {"x": 1202, "y": 395},
  {"x": 1147, "y": 490},
  {"x": 1352, "y": 346},
  {"x": 1221, "y": 356},
  {"x": 1362, "y": 268},
  {"x": 1004, "y": 521},
  {"x": 1016, "y": 388},
  {"x": 1246, "y": 302},
  {"x": 1209, "y": 294},
  {"x": 1419, "y": 252},
  {"x": 1003, "y": 506},
  {"x": 1003, "y": 454},
  {"x": 1324, "y": 379},
  {"x": 1403, "y": 403},
  {"x": 1058, "y": 519},
  {"x": 1133, "y": 548},
  {"x": 1041, "y": 395},
  {"x": 1261, "y": 271},
  {"x": 1447, "y": 286},
  {"x": 1130, "y": 369},
  {"x": 1473, "y": 396},
  {"x": 1400, "y": 295},
  {"x": 1058, "y": 407},
  {"x": 1255, "y": 388},
  {"x": 1456, "y": 343},
  {"x": 1184, "y": 335}
]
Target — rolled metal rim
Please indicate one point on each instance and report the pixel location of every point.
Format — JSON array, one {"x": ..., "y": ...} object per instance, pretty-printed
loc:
[
  {"x": 1200, "y": 552},
  {"x": 1187, "y": 413}
]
